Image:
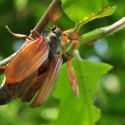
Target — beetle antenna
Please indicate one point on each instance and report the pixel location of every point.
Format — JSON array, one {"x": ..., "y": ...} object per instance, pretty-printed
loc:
[
  {"x": 18, "y": 35},
  {"x": 54, "y": 14},
  {"x": 75, "y": 35}
]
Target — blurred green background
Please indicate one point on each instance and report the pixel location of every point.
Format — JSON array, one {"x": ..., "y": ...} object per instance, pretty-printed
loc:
[{"x": 21, "y": 16}]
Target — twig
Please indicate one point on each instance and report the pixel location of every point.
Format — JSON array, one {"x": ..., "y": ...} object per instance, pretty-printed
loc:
[
  {"x": 115, "y": 27},
  {"x": 76, "y": 55},
  {"x": 41, "y": 25},
  {"x": 88, "y": 37},
  {"x": 44, "y": 21},
  {"x": 102, "y": 32},
  {"x": 5, "y": 61}
]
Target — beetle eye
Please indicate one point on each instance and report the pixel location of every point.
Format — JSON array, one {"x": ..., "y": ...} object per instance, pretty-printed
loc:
[{"x": 53, "y": 28}]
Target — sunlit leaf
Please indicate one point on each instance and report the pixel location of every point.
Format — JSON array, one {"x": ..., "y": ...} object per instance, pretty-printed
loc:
[
  {"x": 79, "y": 111},
  {"x": 83, "y": 11}
]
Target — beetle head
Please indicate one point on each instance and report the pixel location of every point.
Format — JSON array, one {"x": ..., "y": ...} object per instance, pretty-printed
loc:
[{"x": 53, "y": 37}]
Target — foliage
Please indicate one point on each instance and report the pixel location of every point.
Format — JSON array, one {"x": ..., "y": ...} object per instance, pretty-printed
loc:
[
  {"x": 63, "y": 107},
  {"x": 82, "y": 12},
  {"x": 81, "y": 110}
]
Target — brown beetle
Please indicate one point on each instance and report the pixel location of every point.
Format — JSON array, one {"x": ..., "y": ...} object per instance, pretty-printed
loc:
[{"x": 35, "y": 67}]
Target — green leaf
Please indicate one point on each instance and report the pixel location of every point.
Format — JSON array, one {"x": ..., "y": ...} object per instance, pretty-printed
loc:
[
  {"x": 83, "y": 11},
  {"x": 79, "y": 111},
  {"x": 1, "y": 79}
]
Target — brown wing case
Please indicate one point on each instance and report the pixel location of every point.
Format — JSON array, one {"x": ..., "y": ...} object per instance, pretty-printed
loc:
[
  {"x": 27, "y": 60},
  {"x": 49, "y": 82}
]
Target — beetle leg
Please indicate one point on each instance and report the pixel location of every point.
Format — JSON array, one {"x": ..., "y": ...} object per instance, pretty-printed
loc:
[
  {"x": 75, "y": 45},
  {"x": 48, "y": 83},
  {"x": 18, "y": 35},
  {"x": 5, "y": 96},
  {"x": 35, "y": 33},
  {"x": 2, "y": 68},
  {"x": 72, "y": 77}
]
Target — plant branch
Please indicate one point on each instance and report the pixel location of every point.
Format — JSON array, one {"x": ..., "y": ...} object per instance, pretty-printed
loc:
[
  {"x": 88, "y": 37},
  {"x": 102, "y": 32},
  {"x": 5, "y": 61},
  {"x": 44, "y": 21},
  {"x": 76, "y": 55},
  {"x": 41, "y": 25},
  {"x": 115, "y": 27}
]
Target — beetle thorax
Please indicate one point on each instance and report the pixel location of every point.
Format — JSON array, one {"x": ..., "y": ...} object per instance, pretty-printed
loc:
[{"x": 53, "y": 37}]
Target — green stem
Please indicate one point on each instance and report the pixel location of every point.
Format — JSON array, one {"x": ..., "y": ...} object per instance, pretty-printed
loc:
[
  {"x": 92, "y": 36},
  {"x": 102, "y": 32},
  {"x": 76, "y": 55}
]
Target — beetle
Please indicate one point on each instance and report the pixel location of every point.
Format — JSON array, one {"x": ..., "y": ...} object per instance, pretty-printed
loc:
[{"x": 35, "y": 67}]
